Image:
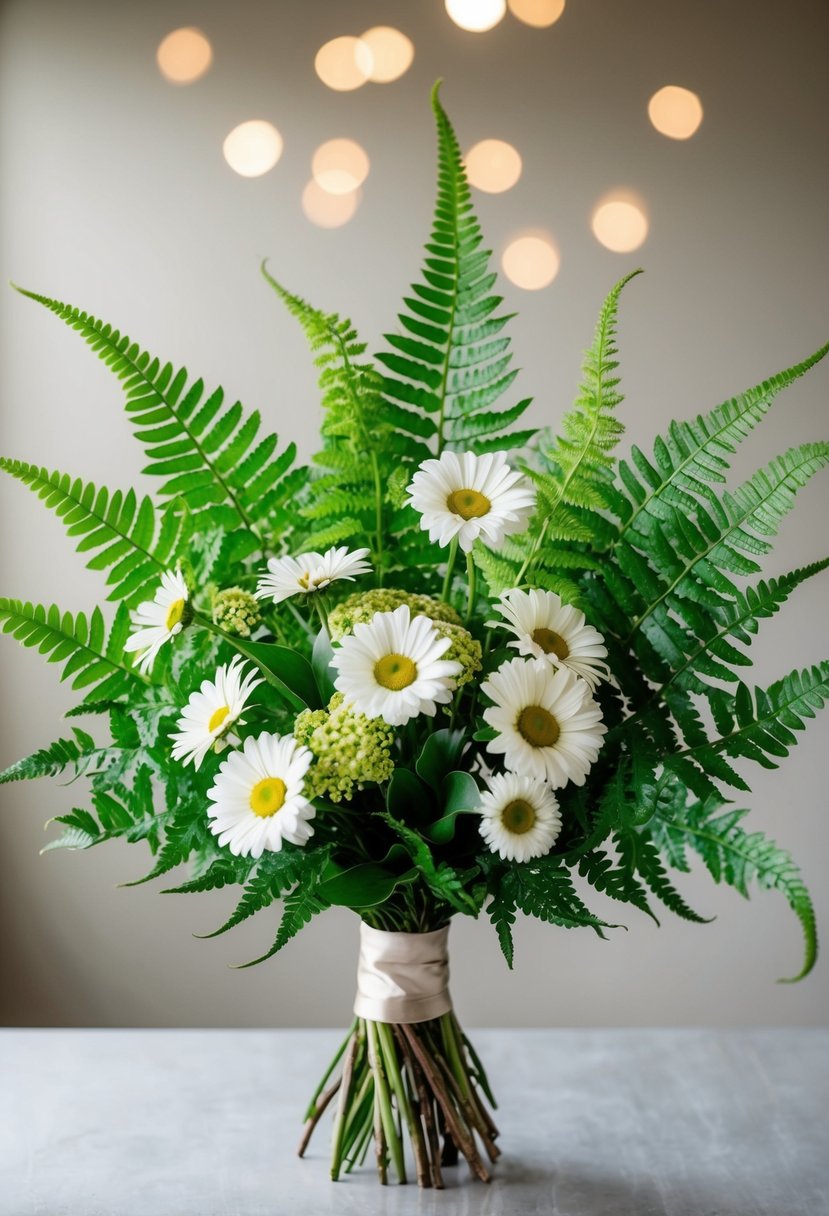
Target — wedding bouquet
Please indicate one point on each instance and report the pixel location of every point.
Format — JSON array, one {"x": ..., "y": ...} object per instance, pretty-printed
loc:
[{"x": 452, "y": 667}]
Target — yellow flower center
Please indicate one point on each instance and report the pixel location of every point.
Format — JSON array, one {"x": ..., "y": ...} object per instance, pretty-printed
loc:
[
  {"x": 174, "y": 614},
  {"x": 518, "y": 816},
  {"x": 538, "y": 726},
  {"x": 551, "y": 642},
  {"x": 217, "y": 717},
  {"x": 469, "y": 504},
  {"x": 267, "y": 797},
  {"x": 395, "y": 671}
]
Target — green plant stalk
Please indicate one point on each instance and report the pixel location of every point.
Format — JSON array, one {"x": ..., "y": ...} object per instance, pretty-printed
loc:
[
  {"x": 450, "y": 568},
  {"x": 338, "y": 1055},
  {"x": 381, "y": 1085},
  {"x": 470, "y": 574}
]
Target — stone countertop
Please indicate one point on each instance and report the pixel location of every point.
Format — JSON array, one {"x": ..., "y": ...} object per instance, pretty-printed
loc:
[{"x": 593, "y": 1123}]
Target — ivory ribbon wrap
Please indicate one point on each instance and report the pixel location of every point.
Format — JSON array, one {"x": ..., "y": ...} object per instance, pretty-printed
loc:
[{"x": 402, "y": 977}]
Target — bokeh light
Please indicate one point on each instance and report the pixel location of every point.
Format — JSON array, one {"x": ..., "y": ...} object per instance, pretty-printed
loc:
[
  {"x": 343, "y": 63},
  {"x": 539, "y": 13},
  {"x": 391, "y": 53},
  {"x": 619, "y": 223},
  {"x": 253, "y": 148},
  {"x": 476, "y": 15},
  {"x": 531, "y": 261},
  {"x": 184, "y": 56},
  {"x": 675, "y": 112},
  {"x": 328, "y": 210},
  {"x": 493, "y": 165},
  {"x": 340, "y": 166}
]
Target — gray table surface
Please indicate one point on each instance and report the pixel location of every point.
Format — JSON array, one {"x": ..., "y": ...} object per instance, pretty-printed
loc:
[{"x": 594, "y": 1123}]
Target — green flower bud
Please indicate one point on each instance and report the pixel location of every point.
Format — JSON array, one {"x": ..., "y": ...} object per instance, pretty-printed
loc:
[
  {"x": 236, "y": 611},
  {"x": 362, "y": 605},
  {"x": 350, "y": 750}
]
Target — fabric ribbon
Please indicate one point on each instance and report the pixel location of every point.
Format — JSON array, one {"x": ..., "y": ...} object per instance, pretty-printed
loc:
[{"x": 402, "y": 977}]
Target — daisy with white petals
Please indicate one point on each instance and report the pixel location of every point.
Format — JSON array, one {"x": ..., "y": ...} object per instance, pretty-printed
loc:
[
  {"x": 310, "y": 572},
  {"x": 158, "y": 620},
  {"x": 465, "y": 496},
  {"x": 209, "y": 716},
  {"x": 520, "y": 818},
  {"x": 257, "y": 797},
  {"x": 391, "y": 667},
  {"x": 548, "y": 724},
  {"x": 557, "y": 633}
]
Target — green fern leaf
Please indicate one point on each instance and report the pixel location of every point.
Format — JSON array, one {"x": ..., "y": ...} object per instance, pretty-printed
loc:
[
  {"x": 452, "y": 362},
  {"x": 125, "y": 536},
  {"x": 90, "y": 659},
  {"x": 300, "y": 906},
  {"x": 206, "y": 452},
  {"x": 695, "y": 454},
  {"x": 737, "y": 857},
  {"x": 275, "y": 874}
]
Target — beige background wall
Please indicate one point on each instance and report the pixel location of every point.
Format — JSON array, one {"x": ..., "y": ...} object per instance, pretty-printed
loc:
[{"x": 115, "y": 197}]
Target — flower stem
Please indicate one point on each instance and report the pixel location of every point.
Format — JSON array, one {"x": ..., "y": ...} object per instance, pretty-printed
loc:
[
  {"x": 470, "y": 574},
  {"x": 450, "y": 567}
]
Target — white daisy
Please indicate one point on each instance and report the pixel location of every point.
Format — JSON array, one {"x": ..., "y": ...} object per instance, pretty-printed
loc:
[
  {"x": 309, "y": 572},
  {"x": 158, "y": 620},
  {"x": 391, "y": 667},
  {"x": 548, "y": 724},
  {"x": 520, "y": 818},
  {"x": 467, "y": 496},
  {"x": 555, "y": 632},
  {"x": 257, "y": 796},
  {"x": 209, "y": 715}
]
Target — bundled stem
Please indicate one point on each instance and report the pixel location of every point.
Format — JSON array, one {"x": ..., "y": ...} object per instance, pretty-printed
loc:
[{"x": 418, "y": 1082}]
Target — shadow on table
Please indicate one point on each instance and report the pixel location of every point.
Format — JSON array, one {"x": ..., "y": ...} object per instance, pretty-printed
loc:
[{"x": 575, "y": 1190}]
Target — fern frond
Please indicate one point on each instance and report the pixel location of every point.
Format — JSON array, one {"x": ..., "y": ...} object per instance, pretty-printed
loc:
[
  {"x": 691, "y": 560},
  {"x": 54, "y": 759},
  {"x": 120, "y": 813},
  {"x": 91, "y": 659},
  {"x": 275, "y": 874},
  {"x": 300, "y": 905},
  {"x": 544, "y": 889},
  {"x": 739, "y": 858},
  {"x": 450, "y": 361},
  {"x": 695, "y": 454},
  {"x": 210, "y": 455},
  {"x": 757, "y": 726},
  {"x": 127, "y": 537}
]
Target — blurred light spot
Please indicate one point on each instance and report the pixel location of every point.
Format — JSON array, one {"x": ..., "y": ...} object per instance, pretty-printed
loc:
[
  {"x": 344, "y": 63},
  {"x": 253, "y": 148},
  {"x": 476, "y": 15},
  {"x": 391, "y": 53},
  {"x": 328, "y": 210},
  {"x": 184, "y": 56},
  {"x": 493, "y": 165},
  {"x": 619, "y": 224},
  {"x": 531, "y": 262},
  {"x": 539, "y": 13},
  {"x": 340, "y": 166},
  {"x": 675, "y": 112}
]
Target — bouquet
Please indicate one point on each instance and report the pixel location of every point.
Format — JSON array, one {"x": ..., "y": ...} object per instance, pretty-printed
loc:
[{"x": 448, "y": 669}]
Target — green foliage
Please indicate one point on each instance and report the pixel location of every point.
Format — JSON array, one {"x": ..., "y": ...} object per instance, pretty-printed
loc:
[
  {"x": 128, "y": 538},
  {"x": 363, "y": 435},
  {"x": 90, "y": 659},
  {"x": 300, "y": 905},
  {"x": 542, "y": 888},
  {"x": 758, "y": 726},
  {"x": 655, "y": 549},
  {"x": 574, "y": 485},
  {"x": 738, "y": 858},
  {"x": 452, "y": 363},
  {"x": 695, "y": 455},
  {"x": 119, "y": 812},
  {"x": 210, "y": 455}
]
